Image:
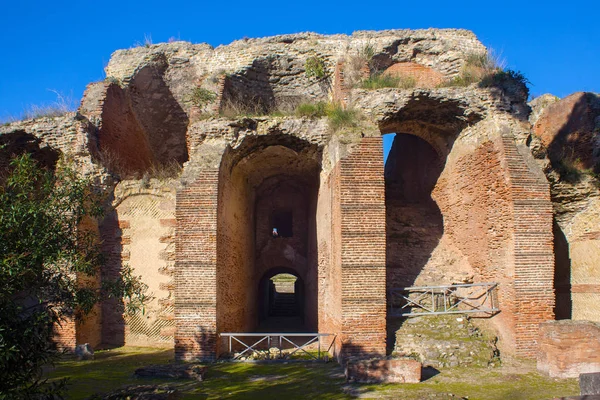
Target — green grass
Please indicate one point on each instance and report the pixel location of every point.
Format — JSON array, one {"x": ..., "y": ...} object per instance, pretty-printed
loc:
[
  {"x": 479, "y": 384},
  {"x": 340, "y": 117},
  {"x": 379, "y": 81},
  {"x": 311, "y": 110},
  {"x": 114, "y": 369}
]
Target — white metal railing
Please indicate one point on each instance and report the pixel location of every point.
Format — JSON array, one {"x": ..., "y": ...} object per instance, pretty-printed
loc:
[
  {"x": 285, "y": 344},
  {"x": 448, "y": 299}
]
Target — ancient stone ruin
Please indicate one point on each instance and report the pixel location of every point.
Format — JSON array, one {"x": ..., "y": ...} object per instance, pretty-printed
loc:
[{"x": 202, "y": 152}]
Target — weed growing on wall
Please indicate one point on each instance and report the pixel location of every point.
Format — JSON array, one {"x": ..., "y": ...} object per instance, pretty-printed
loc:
[
  {"x": 339, "y": 117},
  {"x": 314, "y": 67},
  {"x": 379, "y": 81},
  {"x": 311, "y": 110},
  {"x": 201, "y": 97}
]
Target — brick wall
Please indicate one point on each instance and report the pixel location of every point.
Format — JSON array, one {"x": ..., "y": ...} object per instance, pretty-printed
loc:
[
  {"x": 329, "y": 237},
  {"x": 236, "y": 282},
  {"x": 424, "y": 76},
  {"x": 569, "y": 348},
  {"x": 362, "y": 212},
  {"x": 195, "y": 268},
  {"x": 533, "y": 246},
  {"x": 497, "y": 211},
  {"x": 111, "y": 234},
  {"x": 65, "y": 334}
]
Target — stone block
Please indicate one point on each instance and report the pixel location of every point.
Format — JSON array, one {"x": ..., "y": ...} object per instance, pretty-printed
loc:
[
  {"x": 388, "y": 371},
  {"x": 568, "y": 348},
  {"x": 589, "y": 383},
  {"x": 84, "y": 352}
]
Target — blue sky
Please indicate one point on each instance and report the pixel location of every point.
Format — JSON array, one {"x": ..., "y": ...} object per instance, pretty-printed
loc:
[{"x": 63, "y": 45}]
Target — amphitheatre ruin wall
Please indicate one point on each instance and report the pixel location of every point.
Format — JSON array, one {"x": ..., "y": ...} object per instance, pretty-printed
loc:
[{"x": 201, "y": 154}]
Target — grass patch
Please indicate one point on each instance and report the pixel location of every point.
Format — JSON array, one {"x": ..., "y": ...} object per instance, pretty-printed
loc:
[
  {"x": 311, "y": 110},
  {"x": 284, "y": 278},
  {"x": 487, "y": 70},
  {"x": 113, "y": 369},
  {"x": 379, "y": 81},
  {"x": 478, "y": 384},
  {"x": 339, "y": 117}
]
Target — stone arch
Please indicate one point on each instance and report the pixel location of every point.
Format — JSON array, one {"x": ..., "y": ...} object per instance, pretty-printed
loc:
[{"x": 426, "y": 128}]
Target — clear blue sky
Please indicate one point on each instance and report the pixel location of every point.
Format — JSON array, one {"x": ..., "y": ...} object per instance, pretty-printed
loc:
[{"x": 63, "y": 45}]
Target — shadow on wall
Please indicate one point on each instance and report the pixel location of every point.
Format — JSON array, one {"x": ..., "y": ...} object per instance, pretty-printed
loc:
[
  {"x": 113, "y": 322},
  {"x": 249, "y": 92},
  {"x": 19, "y": 142},
  {"x": 573, "y": 148},
  {"x": 562, "y": 274},
  {"x": 143, "y": 126}
]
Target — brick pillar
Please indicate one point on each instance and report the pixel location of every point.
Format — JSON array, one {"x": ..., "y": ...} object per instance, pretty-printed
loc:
[
  {"x": 534, "y": 248},
  {"x": 195, "y": 269},
  {"x": 363, "y": 279}
]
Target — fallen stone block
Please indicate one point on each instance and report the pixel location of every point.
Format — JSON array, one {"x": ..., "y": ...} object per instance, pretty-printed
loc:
[
  {"x": 568, "y": 348},
  {"x": 589, "y": 384},
  {"x": 388, "y": 371},
  {"x": 173, "y": 371},
  {"x": 84, "y": 352}
]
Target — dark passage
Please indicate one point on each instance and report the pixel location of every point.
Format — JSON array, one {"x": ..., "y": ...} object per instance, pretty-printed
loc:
[{"x": 282, "y": 303}]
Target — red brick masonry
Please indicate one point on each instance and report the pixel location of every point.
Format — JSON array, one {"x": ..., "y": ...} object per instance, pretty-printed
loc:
[{"x": 569, "y": 348}]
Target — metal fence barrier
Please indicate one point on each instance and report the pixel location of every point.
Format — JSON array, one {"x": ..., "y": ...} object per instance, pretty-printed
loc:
[
  {"x": 450, "y": 299},
  {"x": 272, "y": 346}
]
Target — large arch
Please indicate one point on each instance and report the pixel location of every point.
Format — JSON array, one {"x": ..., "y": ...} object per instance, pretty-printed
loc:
[
  {"x": 491, "y": 197},
  {"x": 260, "y": 181}
]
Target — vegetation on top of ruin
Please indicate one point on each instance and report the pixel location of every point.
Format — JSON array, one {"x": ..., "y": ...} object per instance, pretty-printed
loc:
[
  {"x": 382, "y": 80},
  {"x": 121, "y": 168},
  {"x": 484, "y": 69},
  {"x": 61, "y": 106},
  {"x": 488, "y": 70},
  {"x": 311, "y": 110},
  {"x": 338, "y": 117}
]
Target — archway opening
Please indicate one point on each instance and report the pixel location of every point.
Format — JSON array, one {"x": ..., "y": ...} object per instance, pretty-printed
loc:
[
  {"x": 267, "y": 226},
  {"x": 281, "y": 301},
  {"x": 414, "y": 222}
]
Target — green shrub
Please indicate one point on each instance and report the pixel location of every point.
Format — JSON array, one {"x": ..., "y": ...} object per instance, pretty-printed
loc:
[
  {"x": 201, "y": 97},
  {"x": 367, "y": 52},
  {"x": 477, "y": 67},
  {"x": 503, "y": 77},
  {"x": 315, "y": 67},
  {"x": 311, "y": 110}
]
